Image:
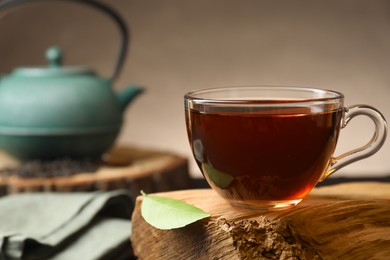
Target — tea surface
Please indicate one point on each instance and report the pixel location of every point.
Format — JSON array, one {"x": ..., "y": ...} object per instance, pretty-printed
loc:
[{"x": 265, "y": 155}]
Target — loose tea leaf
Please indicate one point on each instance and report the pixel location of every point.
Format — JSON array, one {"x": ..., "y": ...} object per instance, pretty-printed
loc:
[
  {"x": 59, "y": 167},
  {"x": 167, "y": 213}
]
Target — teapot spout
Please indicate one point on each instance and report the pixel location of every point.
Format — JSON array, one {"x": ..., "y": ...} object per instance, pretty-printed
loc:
[{"x": 127, "y": 95}]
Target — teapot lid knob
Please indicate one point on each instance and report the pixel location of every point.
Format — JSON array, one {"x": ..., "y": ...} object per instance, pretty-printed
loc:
[{"x": 54, "y": 56}]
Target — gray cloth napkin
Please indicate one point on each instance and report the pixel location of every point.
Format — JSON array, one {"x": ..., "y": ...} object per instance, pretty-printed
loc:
[{"x": 61, "y": 226}]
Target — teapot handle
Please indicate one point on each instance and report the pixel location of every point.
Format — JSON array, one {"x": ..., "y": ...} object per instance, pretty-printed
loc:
[{"x": 124, "y": 41}]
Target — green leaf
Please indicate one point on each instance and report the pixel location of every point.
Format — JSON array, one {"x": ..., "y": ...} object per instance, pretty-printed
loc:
[
  {"x": 221, "y": 179},
  {"x": 167, "y": 213}
]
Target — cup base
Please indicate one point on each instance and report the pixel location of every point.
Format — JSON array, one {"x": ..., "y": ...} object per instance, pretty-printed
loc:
[{"x": 263, "y": 206}]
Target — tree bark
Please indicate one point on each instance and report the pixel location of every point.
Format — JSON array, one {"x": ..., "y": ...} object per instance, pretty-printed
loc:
[{"x": 346, "y": 221}]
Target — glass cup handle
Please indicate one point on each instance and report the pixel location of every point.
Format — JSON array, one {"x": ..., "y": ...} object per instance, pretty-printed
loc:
[{"x": 365, "y": 151}]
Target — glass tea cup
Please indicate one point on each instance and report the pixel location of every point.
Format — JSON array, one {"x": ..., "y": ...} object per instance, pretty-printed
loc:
[{"x": 266, "y": 147}]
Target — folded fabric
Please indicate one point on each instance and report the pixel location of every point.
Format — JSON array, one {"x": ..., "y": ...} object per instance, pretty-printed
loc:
[{"x": 77, "y": 225}]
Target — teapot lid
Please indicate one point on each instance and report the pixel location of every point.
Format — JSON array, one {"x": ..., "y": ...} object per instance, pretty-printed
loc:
[{"x": 54, "y": 56}]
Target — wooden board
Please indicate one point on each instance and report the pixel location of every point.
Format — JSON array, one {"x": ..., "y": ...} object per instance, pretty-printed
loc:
[
  {"x": 149, "y": 170},
  {"x": 347, "y": 221}
]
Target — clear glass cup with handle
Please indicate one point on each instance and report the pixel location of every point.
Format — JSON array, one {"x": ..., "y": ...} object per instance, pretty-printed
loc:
[{"x": 266, "y": 147}]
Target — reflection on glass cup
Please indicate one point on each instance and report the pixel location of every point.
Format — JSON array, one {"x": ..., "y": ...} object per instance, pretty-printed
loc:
[{"x": 266, "y": 147}]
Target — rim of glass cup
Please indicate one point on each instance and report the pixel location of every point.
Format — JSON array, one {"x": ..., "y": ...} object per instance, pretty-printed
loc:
[{"x": 205, "y": 96}]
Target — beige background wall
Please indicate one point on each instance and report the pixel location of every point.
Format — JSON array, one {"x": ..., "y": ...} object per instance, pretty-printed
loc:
[{"x": 180, "y": 45}]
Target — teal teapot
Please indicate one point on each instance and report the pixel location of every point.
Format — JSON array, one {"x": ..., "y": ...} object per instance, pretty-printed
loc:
[{"x": 62, "y": 111}]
